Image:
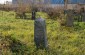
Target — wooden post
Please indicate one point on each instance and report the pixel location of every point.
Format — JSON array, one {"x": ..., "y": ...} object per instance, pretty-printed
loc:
[
  {"x": 70, "y": 20},
  {"x": 33, "y": 15},
  {"x": 65, "y": 4}
]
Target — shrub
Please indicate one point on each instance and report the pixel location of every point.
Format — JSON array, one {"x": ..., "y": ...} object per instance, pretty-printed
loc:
[{"x": 79, "y": 25}]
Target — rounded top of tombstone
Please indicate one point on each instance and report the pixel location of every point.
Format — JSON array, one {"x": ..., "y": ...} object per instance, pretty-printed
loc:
[{"x": 40, "y": 19}]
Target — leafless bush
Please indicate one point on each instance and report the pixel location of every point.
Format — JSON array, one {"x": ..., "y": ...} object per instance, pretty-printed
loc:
[
  {"x": 22, "y": 10},
  {"x": 53, "y": 12}
]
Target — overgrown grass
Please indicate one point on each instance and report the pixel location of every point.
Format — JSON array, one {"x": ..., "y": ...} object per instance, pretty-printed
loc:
[{"x": 61, "y": 40}]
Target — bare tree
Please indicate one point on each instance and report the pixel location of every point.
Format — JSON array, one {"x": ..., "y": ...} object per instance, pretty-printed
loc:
[
  {"x": 65, "y": 4},
  {"x": 22, "y": 8}
]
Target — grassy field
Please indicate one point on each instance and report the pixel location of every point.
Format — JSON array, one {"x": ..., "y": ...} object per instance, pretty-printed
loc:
[{"x": 61, "y": 40}]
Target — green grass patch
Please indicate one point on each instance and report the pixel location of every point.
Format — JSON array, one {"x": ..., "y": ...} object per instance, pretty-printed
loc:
[{"x": 61, "y": 40}]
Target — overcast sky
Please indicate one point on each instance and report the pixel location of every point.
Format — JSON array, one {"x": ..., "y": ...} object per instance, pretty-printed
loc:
[{"x": 2, "y": 1}]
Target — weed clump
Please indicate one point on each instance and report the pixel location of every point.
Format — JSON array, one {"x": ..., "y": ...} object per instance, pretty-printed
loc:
[{"x": 10, "y": 45}]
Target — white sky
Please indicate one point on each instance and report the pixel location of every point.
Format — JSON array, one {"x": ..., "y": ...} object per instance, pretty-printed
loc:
[{"x": 2, "y": 1}]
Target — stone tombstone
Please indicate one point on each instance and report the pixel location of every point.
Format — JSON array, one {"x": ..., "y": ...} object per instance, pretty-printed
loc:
[
  {"x": 40, "y": 36},
  {"x": 69, "y": 19},
  {"x": 83, "y": 16},
  {"x": 33, "y": 15},
  {"x": 77, "y": 17}
]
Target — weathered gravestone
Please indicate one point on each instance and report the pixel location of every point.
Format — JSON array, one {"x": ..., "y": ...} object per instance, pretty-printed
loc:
[
  {"x": 40, "y": 37},
  {"x": 77, "y": 17},
  {"x": 83, "y": 16},
  {"x": 69, "y": 19}
]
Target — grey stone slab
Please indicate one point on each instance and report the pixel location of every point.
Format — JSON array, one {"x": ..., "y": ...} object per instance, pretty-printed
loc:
[
  {"x": 40, "y": 36},
  {"x": 83, "y": 17}
]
